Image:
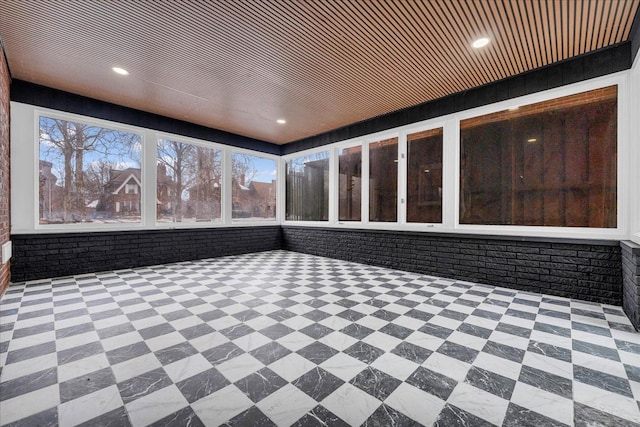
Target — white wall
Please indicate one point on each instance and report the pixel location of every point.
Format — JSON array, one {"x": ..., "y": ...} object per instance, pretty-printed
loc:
[{"x": 634, "y": 141}]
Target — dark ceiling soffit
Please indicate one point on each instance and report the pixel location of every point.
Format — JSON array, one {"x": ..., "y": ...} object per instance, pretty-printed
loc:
[
  {"x": 594, "y": 64},
  {"x": 634, "y": 36},
  {"x": 43, "y": 96}
]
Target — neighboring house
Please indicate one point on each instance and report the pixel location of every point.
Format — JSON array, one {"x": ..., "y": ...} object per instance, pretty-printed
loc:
[
  {"x": 122, "y": 193},
  {"x": 203, "y": 203},
  {"x": 254, "y": 200}
]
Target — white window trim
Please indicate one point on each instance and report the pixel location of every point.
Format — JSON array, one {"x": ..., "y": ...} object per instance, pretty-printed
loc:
[
  {"x": 451, "y": 168},
  {"x": 25, "y": 156}
]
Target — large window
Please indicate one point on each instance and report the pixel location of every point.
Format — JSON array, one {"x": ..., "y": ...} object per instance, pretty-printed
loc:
[
  {"x": 189, "y": 179},
  {"x": 253, "y": 188},
  {"x": 307, "y": 189},
  {"x": 383, "y": 180},
  {"x": 547, "y": 164},
  {"x": 424, "y": 176},
  {"x": 88, "y": 174},
  {"x": 350, "y": 183}
]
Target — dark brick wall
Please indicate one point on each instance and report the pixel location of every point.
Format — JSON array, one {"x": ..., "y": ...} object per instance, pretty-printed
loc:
[
  {"x": 38, "y": 256},
  {"x": 631, "y": 281},
  {"x": 5, "y": 214},
  {"x": 575, "y": 269}
]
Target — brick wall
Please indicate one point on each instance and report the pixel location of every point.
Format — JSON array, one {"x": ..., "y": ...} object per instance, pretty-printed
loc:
[
  {"x": 574, "y": 269},
  {"x": 4, "y": 166},
  {"x": 38, "y": 256},
  {"x": 631, "y": 281}
]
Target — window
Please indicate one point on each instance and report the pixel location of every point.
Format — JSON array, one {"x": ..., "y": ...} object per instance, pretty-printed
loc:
[
  {"x": 424, "y": 176},
  {"x": 189, "y": 179},
  {"x": 383, "y": 180},
  {"x": 84, "y": 171},
  {"x": 131, "y": 189},
  {"x": 307, "y": 188},
  {"x": 253, "y": 188},
  {"x": 350, "y": 183},
  {"x": 551, "y": 163}
]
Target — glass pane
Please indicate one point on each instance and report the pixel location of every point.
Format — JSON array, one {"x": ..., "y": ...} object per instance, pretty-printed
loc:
[
  {"x": 308, "y": 188},
  {"x": 188, "y": 182},
  {"x": 383, "y": 180},
  {"x": 88, "y": 174},
  {"x": 253, "y": 188},
  {"x": 350, "y": 183},
  {"x": 424, "y": 176},
  {"x": 548, "y": 164}
]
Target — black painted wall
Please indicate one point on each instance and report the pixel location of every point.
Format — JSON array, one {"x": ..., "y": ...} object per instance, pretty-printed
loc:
[
  {"x": 595, "y": 64},
  {"x": 43, "y": 96},
  {"x": 37, "y": 256},
  {"x": 631, "y": 281},
  {"x": 574, "y": 269}
]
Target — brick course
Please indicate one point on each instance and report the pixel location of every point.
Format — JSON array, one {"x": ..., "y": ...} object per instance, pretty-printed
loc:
[
  {"x": 5, "y": 80},
  {"x": 39, "y": 256},
  {"x": 572, "y": 270},
  {"x": 631, "y": 281}
]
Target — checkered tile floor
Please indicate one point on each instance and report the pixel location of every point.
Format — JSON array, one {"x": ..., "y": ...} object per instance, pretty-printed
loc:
[{"x": 281, "y": 338}]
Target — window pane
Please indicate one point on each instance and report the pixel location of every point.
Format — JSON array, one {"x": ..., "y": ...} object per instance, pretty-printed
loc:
[
  {"x": 88, "y": 174},
  {"x": 253, "y": 188},
  {"x": 350, "y": 183},
  {"x": 383, "y": 180},
  {"x": 424, "y": 176},
  {"x": 552, "y": 163},
  {"x": 188, "y": 182},
  {"x": 308, "y": 188}
]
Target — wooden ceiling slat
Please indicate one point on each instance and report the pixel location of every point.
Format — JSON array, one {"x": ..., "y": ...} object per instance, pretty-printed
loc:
[{"x": 238, "y": 64}]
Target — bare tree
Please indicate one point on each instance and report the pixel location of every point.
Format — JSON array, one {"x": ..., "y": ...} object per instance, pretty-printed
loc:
[
  {"x": 178, "y": 157},
  {"x": 69, "y": 143}
]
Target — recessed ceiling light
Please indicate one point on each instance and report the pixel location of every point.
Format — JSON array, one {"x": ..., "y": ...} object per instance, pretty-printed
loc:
[
  {"x": 281, "y": 121},
  {"x": 482, "y": 42},
  {"x": 513, "y": 108},
  {"x": 531, "y": 140},
  {"x": 120, "y": 70}
]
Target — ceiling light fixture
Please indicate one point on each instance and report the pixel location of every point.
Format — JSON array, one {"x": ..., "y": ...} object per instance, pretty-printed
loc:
[
  {"x": 482, "y": 42},
  {"x": 281, "y": 121},
  {"x": 531, "y": 140},
  {"x": 119, "y": 70}
]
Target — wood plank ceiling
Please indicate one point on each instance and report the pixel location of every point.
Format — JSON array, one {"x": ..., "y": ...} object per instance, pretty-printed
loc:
[{"x": 239, "y": 65}]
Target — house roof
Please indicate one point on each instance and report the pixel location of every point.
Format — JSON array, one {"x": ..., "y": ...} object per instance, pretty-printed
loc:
[
  {"x": 240, "y": 65},
  {"x": 120, "y": 178}
]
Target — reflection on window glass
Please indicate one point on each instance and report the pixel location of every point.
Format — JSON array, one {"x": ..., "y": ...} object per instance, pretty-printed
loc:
[
  {"x": 88, "y": 174},
  {"x": 547, "y": 164},
  {"x": 307, "y": 188},
  {"x": 383, "y": 180},
  {"x": 350, "y": 183},
  {"x": 253, "y": 188},
  {"x": 424, "y": 176},
  {"x": 189, "y": 179}
]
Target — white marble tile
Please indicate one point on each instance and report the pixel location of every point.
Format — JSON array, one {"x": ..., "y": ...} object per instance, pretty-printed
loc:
[
  {"x": 82, "y": 367},
  {"x": 286, "y": 405},
  {"x": 292, "y": 366},
  {"x": 351, "y": 404},
  {"x": 508, "y": 339},
  {"x": 408, "y": 322},
  {"x": 89, "y": 406},
  {"x": 395, "y": 366},
  {"x": 416, "y": 404},
  {"x": 155, "y": 406},
  {"x": 496, "y": 364},
  {"x": 29, "y": 366},
  {"x": 219, "y": 407},
  {"x": 552, "y": 339},
  {"x": 543, "y": 402},
  {"x": 599, "y": 364},
  {"x": 295, "y": 341},
  {"x": 29, "y": 404},
  {"x": 606, "y": 401},
  {"x": 343, "y": 366},
  {"x": 445, "y": 365},
  {"x": 371, "y": 322},
  {"x": 467, "y": 340},
  {"x": 335, "y": 322},
  {"x": 133, "y": 367},
  {"x": 427, "y": 341},
  {"x": 205, "y": 342},
  {"x": 31, "y": 340},
  {"x": 445, "y": 322},
  {"x": 382, "y": 341},
  {"x": 164, "y": 341},
  {"x": 297, "y": 322},
  {"x": 110, "y": 321},
  {"x": 76, "y": 340},
  {"x": 239, "y": 367},
  {"x": 338, "y": 340},
  {"x": 187, "y": 367},
  {"x": 251, "y": 341},
  {"x": 260, "y": 322},
  {"x": 223, "y": 322},
  {"x": 479, "y": 402}
]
